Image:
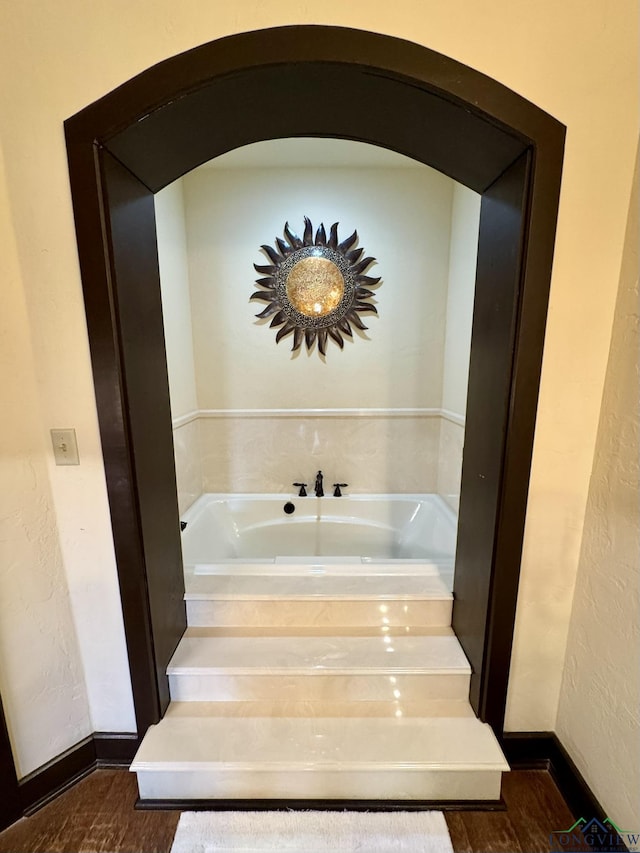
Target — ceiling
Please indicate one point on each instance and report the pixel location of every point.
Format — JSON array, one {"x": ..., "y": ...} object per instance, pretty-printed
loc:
[{"x": 311, "y": 153}]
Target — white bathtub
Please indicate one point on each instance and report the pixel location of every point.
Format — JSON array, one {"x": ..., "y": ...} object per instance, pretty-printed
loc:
[{"x": 351, "y": 532}]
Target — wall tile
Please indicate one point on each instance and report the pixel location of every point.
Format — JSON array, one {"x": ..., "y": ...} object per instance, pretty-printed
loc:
[
  {"x": 377, "y": 454},
  {"x": 450, "y": 462},
  {"x": 186, "y": 448}
]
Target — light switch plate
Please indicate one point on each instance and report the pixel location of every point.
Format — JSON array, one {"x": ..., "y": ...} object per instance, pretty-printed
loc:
[{"x": 65, "y": 446}]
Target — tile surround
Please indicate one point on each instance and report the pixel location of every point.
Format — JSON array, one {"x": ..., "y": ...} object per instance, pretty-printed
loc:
[
  {"x": 450, "y": 461},
  {"x": 373, "y": 454},
  {"x": 186, "y": 449},
  {"x": 376, "y": 451}
]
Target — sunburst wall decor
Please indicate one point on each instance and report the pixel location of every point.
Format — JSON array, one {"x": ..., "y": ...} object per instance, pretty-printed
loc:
[{"x": 315, "y": 287}]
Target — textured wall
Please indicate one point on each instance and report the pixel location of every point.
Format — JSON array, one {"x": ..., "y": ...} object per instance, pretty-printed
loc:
[
  {"x": 577, "y": 61},
  {"x": 598, "y": 716},
  {"x": 41, "y": 675}
]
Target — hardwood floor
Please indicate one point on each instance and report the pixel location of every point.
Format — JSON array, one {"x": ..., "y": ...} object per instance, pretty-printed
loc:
[
  {"x": 97, "y": 816},
  {"x": 535, "y": 808}
]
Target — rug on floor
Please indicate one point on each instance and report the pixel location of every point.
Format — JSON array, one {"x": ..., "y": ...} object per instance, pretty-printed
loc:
[{"x": 312, "y": 832}]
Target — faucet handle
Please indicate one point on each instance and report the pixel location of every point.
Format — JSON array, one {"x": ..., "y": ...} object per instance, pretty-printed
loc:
[
  {"x": 337, "y": 487},
  {"x": 303, "y": 489}
]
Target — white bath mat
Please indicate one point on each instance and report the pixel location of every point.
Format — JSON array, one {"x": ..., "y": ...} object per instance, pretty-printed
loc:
[{"x": 312, "y": 832}]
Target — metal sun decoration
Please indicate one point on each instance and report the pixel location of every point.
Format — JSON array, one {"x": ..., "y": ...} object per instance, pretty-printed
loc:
[{"x": 315, "y": 288}]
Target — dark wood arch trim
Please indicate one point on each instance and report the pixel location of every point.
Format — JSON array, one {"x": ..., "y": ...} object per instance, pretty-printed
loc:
[{"x": 358, "y": 85}]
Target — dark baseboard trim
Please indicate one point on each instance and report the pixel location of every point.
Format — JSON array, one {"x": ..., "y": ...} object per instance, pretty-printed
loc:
[
  {"x": 321, "y": 805},
  {"x": 543, "y": 751},
  {"x": 527, "y": 750},
  {"x": 101, "y": 749},
  {"x": 115, "y": 749},
  {"x": 47, "y": 782},
  {"x": 523, "y": 750}
]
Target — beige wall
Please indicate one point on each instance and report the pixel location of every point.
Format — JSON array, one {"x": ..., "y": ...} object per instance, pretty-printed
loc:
[
  {"x": 339, "y": 414},
  {"x": 402, "y": 217},
  {"x": 176, "y": 299},
  {"x": 178, "y": 335},
  {"x": 598, "y": 719},
  {"x": 463, "y": 254},
  {"x": 41, "y": 675},
  {"x": 577, "y": 61}
]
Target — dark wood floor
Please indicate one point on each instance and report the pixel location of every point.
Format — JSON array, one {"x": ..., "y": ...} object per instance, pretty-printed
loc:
[{"x": 97, "y": 816}]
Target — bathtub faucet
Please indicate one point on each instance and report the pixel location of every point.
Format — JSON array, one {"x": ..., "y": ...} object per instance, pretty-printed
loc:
[{"x": 318, "y": 485}]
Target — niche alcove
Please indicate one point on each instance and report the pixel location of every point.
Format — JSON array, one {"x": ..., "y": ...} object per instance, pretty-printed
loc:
[{"x": 314, "y": 81}]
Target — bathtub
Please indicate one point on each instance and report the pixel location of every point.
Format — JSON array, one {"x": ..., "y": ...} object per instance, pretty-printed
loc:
[{"x": 240, "y": 533}]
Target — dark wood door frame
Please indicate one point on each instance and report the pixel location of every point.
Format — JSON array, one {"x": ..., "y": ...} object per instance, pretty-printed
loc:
[
  {"x": 10, "y": 802},
  {"x": 323, "y": 82}
]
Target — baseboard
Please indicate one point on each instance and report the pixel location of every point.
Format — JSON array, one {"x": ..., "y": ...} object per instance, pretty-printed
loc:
[
  {"x": 101, "y": 749},
  {"x": 523, "y": 750},
  {"x": 527, "y": 750},
  {"x": 115, "y": 749},
  {"x": 47, "y": 782},
  {"x": 543, "y": 751}
]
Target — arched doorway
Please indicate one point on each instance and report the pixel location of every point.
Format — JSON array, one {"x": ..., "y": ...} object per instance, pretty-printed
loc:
[{"x": 323, "y": 82}]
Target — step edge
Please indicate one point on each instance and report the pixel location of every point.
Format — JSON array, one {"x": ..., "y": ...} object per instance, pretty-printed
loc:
[
  {"x": 167, "y": 765},
  {"x": 266, "y": 671},
  {"x": 319, "y": 596}
]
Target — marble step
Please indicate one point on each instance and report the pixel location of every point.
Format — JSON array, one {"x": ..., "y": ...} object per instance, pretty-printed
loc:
[
  {"x": 317, "y": 599},
  {"x": 202, "y": 757},
  {"x": 391, "y": 707},
  {"x": 319, "y": 668}
]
